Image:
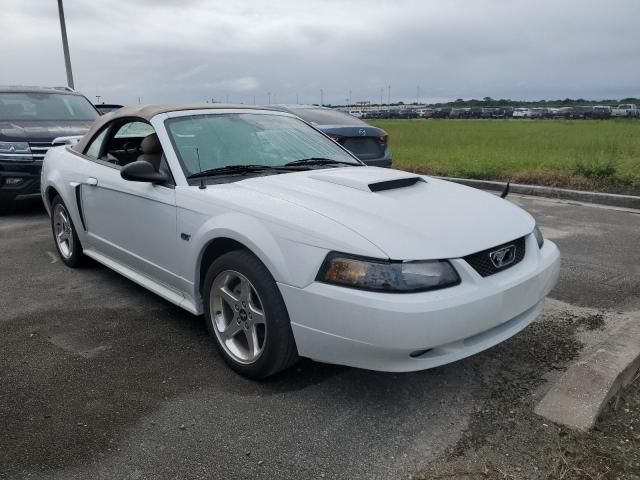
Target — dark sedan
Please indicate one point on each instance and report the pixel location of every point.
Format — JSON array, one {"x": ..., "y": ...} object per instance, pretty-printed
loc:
[{"x": 368, "y": 143}]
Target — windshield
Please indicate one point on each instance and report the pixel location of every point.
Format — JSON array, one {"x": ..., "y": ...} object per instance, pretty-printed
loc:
[
  {"x": 221, "y": 140},
  {"x": 45, "y": 106},
  {"x": 325, "y": 116}
]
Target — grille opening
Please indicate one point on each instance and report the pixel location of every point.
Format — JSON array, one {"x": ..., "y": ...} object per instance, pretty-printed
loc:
[
  {"x": 39, "y": 149},
  {"x": 481, "y": 262}
]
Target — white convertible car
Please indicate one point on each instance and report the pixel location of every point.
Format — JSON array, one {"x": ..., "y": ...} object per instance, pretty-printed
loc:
[{"x": 289, "y": 245}]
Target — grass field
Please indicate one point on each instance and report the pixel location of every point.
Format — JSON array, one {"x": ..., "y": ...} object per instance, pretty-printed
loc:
[{"x": 601, "y": 155}]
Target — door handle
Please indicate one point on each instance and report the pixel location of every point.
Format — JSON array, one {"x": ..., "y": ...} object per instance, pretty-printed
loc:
[{"x": 91, "y": 181}]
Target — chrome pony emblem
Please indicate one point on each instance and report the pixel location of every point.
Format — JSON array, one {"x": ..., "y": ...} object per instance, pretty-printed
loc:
[
  {"x": 362, "y": 132},
  {"x": 503, "y": 257}
]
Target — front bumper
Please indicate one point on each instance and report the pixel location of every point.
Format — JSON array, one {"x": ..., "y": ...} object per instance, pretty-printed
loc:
[
  {"x": 28, "y": 185},
  {"x": 408, "y": 332}
]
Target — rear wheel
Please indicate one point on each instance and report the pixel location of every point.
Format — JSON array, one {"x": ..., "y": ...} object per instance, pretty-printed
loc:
[
  {"x": 247, "y": 317},
  {"x": 64, "y": 234}
]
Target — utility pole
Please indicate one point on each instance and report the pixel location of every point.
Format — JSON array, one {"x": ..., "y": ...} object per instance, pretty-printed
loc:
[
  {"x": 98, "y": 97},
  {"x": 138, "y": 100},
  {"x": 389, "y": 94},
  {"x": 381, "y": 94},
  {"x": 321, "y": 97},
  {"x": 418, "y": 94},
  {"x": 65, "y": 45},
  {"x": 269, "y": 97}
]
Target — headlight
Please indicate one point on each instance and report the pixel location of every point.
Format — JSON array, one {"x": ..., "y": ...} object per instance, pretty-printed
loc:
[
  {"x": 539, "y": 237},
  {"x": 18, "y": 151},
  {"x": 387, "y": 276}
]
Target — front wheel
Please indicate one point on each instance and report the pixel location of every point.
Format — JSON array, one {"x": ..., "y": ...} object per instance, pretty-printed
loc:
[
  {"x": 247, "y": 317},
  {"x": 64, "y": 234},
  {"x": 5, "y": 207}
]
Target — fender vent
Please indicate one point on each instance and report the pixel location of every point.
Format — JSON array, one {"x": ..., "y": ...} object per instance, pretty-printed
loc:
[{"x": 394, "y": 184}]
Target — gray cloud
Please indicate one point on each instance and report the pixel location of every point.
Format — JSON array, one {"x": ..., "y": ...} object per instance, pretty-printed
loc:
[{"x": 196, "y": 50}]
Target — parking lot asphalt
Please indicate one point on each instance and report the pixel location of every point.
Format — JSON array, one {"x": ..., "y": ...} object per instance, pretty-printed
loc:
[{"x": 101, "y": 379}]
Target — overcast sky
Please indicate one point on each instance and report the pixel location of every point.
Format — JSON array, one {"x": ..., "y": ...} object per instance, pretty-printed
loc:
[{"x": 194, "y": 50}]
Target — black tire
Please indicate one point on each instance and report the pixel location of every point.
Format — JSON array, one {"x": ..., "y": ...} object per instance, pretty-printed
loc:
[
  {"x": 5, "y": 207},
  {"x": 279, "y": 350},
  {"x": 74, "y": 257}
]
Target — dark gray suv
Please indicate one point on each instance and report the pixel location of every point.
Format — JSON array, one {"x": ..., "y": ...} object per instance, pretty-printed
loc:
[{"x": 31, "y": 118}]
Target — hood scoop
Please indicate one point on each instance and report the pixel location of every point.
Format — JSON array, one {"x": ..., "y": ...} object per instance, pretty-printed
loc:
[
  {"x": 369, "y": 179},
  {"x": 393, "y": 184}
]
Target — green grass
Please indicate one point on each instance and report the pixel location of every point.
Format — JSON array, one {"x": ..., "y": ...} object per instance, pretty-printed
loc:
[{"x": 602, "y": 155}]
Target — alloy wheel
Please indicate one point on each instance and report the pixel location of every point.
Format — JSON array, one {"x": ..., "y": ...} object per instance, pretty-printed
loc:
[
  {"x": 62, "y": 231},
  {"x": 238, "y": 316}
]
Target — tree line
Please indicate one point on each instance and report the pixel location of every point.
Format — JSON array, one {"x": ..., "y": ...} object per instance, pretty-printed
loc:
[{"x": 507, "y": 102}]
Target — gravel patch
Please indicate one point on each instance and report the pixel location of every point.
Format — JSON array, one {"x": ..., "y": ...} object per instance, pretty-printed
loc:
[{"x": 506, "y": 440}]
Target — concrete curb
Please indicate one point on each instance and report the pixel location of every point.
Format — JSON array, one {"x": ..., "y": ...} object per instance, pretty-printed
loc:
[
  {"x": 579, "y": 396},
  {"x": 613, "y": 199}
]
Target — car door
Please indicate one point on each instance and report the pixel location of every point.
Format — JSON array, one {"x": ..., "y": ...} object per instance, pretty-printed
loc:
[{"x": 131, "y": 223}]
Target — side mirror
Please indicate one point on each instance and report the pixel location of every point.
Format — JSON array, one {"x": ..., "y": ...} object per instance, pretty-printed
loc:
[
  {"x": 142, "y": 171},
  {"x": 70, "y": 140}
]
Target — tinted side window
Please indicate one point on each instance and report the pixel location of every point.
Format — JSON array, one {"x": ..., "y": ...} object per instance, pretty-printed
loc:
[{"x": 94, "y": 147}]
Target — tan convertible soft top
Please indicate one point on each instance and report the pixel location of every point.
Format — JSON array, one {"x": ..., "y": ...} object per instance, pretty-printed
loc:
[{"x": 147, "y": 112}]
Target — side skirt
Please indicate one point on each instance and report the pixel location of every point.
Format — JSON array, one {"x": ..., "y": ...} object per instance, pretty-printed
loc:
[{"x": 144, "y": 281}]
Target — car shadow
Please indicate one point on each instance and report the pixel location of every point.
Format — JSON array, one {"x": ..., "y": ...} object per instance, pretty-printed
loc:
[
  {"x": 192, "y": 328},
  {"x": 304, "y": 374}
]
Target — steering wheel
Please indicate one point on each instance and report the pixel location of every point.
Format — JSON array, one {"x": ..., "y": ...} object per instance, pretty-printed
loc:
[{"x": 130, "y": 148}]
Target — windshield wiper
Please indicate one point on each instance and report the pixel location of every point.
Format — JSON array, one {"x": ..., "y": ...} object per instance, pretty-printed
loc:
[
  {"x": 238, "y": 169},
  {"x": 319, "y": 161}
]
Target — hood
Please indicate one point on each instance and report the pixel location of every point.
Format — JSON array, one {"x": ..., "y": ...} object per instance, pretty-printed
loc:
[
  {"x": 41, "y": 130},
  {"x": 407, "y": 216}
]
